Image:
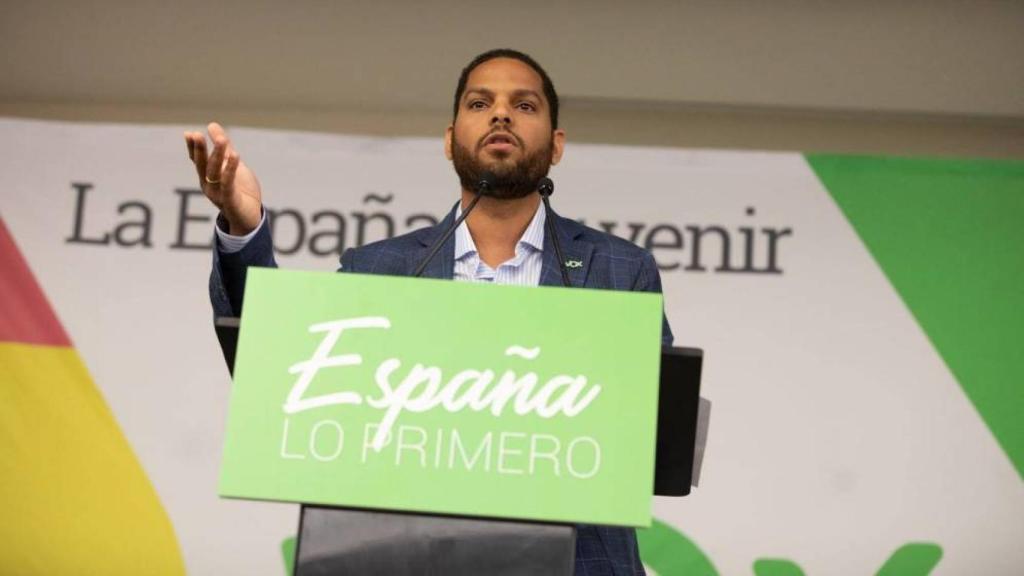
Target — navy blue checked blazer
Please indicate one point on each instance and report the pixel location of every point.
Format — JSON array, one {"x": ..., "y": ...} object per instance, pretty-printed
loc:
[{"x": 609, "y": 263}]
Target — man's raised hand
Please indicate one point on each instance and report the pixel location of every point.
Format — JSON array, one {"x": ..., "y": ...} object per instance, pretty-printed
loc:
[{"x": 226, "y": 180}]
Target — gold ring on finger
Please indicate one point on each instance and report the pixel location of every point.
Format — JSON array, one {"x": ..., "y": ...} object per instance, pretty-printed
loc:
[{"x": 208, "y": 181}]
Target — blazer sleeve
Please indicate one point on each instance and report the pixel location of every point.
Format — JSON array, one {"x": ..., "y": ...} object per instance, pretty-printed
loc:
[
  {"x": 347, "y": 263},
  {"x": 227, "y": 278},
  {"x": 649, "y": 280}
]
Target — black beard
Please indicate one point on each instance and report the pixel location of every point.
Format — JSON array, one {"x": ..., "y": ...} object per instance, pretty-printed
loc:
[{"x": 511, "y": 181}]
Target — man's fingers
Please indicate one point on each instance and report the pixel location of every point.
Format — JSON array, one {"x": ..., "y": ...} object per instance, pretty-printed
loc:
[
  {"x": 228, "y": 153},
  {"x": 227, "y": 176},
  {"x": 216, "y": 160},
  {"x": 216, "y": 130},
  {"x": 217, "y": 169},
  {"x": 199, "y": 154}
]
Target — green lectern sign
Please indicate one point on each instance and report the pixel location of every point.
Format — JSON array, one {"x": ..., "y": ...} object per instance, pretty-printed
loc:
[{"x": 445, "y": 397}]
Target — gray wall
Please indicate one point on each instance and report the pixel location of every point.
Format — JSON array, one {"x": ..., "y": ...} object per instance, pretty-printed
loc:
[{"x": 911, "y": 78}]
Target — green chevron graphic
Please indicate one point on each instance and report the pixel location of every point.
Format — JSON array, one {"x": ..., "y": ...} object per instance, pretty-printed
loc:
[
  {"x": 949, "y": 235},
  {"x": 669, "y": 553},
  {"x": 288, "y": 552},
  {"x": 914, "y": 559},
  {"x": 776, "y": 567}
]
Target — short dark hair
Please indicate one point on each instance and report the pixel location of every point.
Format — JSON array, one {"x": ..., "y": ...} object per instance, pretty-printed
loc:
[{"x": 548, "y": 86}]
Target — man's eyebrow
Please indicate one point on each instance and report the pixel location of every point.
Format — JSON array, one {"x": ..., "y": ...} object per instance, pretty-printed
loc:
[
  {"x": 480, "y": 91},
  {"x": 490, "y": 93},
  {"x": 526, "y": 92}
]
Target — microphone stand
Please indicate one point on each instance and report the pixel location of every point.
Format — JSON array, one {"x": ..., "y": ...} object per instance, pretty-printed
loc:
[
  {"x": 546, "y": 189},
  {"x": 482, "y": 187}
]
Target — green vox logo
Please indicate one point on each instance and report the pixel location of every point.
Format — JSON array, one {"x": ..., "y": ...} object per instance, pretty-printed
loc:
[{"x": 667, "y": 552}]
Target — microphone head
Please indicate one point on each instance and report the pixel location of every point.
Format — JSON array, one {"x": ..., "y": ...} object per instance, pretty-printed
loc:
[
  {"x": 546, "y": 187},
  {"x": 485, "y": 184}
]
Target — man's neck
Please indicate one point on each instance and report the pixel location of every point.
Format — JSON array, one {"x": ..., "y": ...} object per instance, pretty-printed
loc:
[{"x": 497, "y": 225}]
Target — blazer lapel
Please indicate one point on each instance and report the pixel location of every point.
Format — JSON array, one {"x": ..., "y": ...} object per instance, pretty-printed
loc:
[
  {"x": 577, "y": 254},
  {"x": 443, "y": 264}
]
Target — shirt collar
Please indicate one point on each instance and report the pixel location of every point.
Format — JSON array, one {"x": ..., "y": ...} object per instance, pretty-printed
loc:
[{"x": 532, "y": 237}]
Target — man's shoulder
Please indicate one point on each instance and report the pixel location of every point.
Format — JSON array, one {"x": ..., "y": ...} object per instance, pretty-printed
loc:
[
  {"x": 605, "y": 245},
  {"x": 615, "y": 263},
  {"x": 403, "y": 243},
  {"x": 387, "y": 256}
]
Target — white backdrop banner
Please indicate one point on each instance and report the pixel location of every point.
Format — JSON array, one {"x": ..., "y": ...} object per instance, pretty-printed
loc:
[{"x": 839, "y": 433}]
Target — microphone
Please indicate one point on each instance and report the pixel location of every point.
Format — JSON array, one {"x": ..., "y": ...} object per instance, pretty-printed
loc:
[
  {"x": 546, "y": 187},
  {"x": 483, "y": 186}
]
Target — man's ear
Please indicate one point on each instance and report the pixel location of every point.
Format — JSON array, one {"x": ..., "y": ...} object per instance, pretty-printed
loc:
[
  {"x": 448, "y": 141},
  {"x": 557, "y": 145}
]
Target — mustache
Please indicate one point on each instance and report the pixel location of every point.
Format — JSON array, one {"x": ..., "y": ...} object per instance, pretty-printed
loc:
[{"x": 504, "y": 131}]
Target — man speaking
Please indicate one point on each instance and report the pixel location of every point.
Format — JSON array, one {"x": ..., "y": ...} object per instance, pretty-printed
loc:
[{"x": 503, "y": 139}]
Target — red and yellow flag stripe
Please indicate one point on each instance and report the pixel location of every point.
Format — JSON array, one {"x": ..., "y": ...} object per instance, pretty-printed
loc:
[{"x": 74, "y": 498}]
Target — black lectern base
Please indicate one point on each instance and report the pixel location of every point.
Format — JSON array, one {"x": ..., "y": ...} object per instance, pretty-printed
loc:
[{"x": 340, "y": 541}]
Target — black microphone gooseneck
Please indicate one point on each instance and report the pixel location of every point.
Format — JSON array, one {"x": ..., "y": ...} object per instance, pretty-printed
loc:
[
  {"x": 546, "y": 188},
  {"x": 483, "y": 186}
]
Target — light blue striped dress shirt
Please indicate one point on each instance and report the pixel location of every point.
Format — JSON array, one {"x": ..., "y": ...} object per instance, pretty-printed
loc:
[{"x": 523, "y": 269}]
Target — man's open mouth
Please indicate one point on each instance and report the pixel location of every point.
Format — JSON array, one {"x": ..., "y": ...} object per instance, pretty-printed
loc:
[{"x": 501, "y": 139}]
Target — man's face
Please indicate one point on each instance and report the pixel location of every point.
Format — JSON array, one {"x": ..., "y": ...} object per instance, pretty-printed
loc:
[{"x": 503, "y": 127}]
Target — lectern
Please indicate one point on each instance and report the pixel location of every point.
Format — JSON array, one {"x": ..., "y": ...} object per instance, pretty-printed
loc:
[{"x": 401, "y": 537}]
